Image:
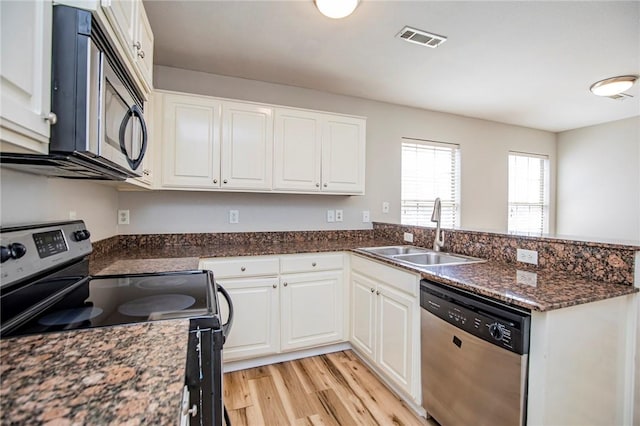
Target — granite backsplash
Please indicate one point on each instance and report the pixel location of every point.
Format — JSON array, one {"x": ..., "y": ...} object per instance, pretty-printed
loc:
[{"x": 612, "y": 263}]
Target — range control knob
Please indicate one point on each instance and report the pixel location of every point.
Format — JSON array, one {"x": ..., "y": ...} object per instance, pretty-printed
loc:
[
  {"x": 5, "y": 254},
  {"x": 81, "y": 235},
  {"x": 495, "y": 330},
  {"x": 12, "y": 251}
]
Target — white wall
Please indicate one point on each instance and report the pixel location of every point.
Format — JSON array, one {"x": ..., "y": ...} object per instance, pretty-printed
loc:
[
  {"x": 598, "y": 189},
  {"x": 26, "y": 198},
  {"x": 484, "y": 147}
]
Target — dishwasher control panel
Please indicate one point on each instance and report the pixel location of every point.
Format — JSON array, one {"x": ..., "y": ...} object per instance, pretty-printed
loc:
[{"x": 491, "y": 321}]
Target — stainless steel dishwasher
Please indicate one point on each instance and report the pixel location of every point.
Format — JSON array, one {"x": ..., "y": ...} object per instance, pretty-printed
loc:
[{"x": 474, "y": 358}]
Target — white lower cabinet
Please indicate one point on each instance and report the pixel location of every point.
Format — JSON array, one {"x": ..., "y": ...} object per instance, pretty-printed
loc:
[
  {"x": 312, "y": 309},
  {"x": 281, "y": 303},
  {"x": 255, "y": 329},
  {"x": 385, "y": 321}
]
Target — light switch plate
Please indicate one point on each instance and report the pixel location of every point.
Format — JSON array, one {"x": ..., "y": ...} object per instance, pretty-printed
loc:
[
  {"x": 365, "y": 216},
  {"x": 331, "y": 215},
  {"x": 234, "y": 216},
  {"x": 408, "y": 237}
]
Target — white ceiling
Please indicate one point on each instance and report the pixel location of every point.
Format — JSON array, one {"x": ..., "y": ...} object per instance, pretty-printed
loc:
[{"x": 528, "y": 63}]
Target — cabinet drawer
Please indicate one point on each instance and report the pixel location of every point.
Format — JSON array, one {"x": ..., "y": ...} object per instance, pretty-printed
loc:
[
  {"x": 241, "y": 266},
  {"x": 405, "y": 281},
  {"x": 311, "y": 262}
]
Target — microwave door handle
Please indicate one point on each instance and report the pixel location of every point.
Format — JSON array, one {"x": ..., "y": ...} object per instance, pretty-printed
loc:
[{"x": 133, "y": 111}]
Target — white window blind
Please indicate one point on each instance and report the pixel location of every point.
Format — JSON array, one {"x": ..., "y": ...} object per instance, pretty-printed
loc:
[
  {"x": 528, "y": 193},
  {"x": 430, "y": 170}
]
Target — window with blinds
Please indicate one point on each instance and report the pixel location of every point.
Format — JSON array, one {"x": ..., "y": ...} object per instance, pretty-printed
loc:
[
  {"x": 528, "y": 193},
  {"x": 430, "y": 170}
]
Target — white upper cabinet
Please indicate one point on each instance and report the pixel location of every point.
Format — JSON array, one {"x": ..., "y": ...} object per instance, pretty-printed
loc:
[
  {"x": 25, "y": 75},
  {"x": 213, "y": 143},
  {"x": 191, "y": 142},
  {"x": 247, "y": 146},
  {"x": 343, "y": 154},
  {"x": 297, "y": 150},
  {"x": 129, "y": 20},
  {"x": 319, "y": 152}
]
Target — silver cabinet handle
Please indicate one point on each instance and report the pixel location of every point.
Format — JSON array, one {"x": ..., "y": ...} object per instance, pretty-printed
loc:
[
  {"x": 378, "y": 293},
  {"x": 372, "y": 290},
  {"x": 275, "y": 286},
  {"x": 242, "y": 268},
  {"x": 285, "y": 284},
  {"x": 215, "y": 181},
  {"x": 193, "y": 411},
  {"x": 325, "y": 185},
  {"x": 224, "y": 181},
  {"x": 317, "y": 185},
  {"x": 137, "y": 45},
  {"x": 52, "y": 118},
  {"x": 313, "y": 264},
  {"x": 141, "y": 54}
]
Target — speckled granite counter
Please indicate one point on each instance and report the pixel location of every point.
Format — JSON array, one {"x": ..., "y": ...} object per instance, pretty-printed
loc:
[
  {"x": 553, "y": 290},
  {"x": 130, "y": 374},
  {"x": 495, "y": 279}
]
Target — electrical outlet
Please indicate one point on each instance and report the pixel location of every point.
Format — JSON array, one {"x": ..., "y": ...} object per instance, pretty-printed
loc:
[
  {"x": 123, "y": 217},
  {"x": 331, "y": 215},
  {"x": 385, "y": 207},
  {"x": 527, "y": 278},
  {"x": 234, "y": 216},
  {"x": 527, "y": 256},
  {"x": 365, "y": 216},
  {"x": 339, "y": 215},
  {"x": 408, "y": 237}
]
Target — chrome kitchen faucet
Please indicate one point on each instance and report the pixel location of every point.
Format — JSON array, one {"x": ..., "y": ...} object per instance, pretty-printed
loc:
[{"x": 438, "y": 241}]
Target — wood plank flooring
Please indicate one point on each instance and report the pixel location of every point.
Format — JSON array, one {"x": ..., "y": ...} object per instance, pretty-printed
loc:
[{"x": 332, "y": 389}]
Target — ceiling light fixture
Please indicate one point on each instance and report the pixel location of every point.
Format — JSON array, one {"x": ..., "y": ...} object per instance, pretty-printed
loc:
[
  {"x": 613, "y": 86},
  {"x": 336, "y": 9}
]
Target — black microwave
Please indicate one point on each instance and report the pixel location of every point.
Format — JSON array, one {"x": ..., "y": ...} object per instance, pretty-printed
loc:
[{"x": 100, "y": 130}]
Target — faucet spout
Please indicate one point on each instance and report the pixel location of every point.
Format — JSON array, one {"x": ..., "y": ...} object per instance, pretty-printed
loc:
[{"x": 435, "y": 217}]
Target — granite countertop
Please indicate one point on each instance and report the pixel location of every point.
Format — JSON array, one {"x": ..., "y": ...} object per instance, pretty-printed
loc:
[
  {"x": 553, "y": 290},
  {"x": 127, "y": 374}
]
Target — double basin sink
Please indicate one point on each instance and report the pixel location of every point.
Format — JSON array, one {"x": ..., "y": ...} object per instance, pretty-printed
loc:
[{"x": 421, "y": 257}]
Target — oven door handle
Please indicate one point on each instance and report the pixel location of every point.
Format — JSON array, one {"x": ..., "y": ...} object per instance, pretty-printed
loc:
[{"x": 226, "y": 327}]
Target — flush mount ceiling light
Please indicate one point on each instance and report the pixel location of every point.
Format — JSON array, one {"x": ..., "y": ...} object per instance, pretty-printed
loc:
[
  {"x": 336, "y": 9},
  {"x": 613, "y": 86}
]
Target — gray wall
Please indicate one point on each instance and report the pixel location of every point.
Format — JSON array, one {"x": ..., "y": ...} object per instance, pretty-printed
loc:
[
  {"x": 598, "y": 191},
  {"x": 29, "y": 198},
  {"x": 484, "y": 147}
]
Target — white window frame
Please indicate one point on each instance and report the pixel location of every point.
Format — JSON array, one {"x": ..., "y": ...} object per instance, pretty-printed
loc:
[
  {"x": 532, "y": 196},
  {"x": 416, "y": 209}
]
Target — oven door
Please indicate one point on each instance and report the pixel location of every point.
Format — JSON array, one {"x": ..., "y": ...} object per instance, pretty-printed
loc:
[{"x": 124, "y": 140}]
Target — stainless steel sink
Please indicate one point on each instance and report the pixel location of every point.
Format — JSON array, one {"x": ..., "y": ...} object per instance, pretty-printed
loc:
[
  {"x": 395, "y": 250},
  {"x": 421, "y": 257}
]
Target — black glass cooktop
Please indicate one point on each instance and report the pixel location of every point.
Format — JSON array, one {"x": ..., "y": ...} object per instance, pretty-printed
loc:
[{"x": 121, "y": 299}]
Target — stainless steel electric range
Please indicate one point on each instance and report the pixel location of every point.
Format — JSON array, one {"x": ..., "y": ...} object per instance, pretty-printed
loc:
[{"x": 45, "y": 287}]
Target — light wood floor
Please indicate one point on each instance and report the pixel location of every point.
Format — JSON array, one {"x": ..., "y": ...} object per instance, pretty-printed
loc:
[{"x": 332, "y": 389}]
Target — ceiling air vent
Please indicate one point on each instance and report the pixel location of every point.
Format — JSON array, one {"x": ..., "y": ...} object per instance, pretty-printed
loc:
[{"x": 423, "y": 38}]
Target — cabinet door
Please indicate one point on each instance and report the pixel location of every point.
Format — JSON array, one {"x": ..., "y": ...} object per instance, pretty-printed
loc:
[
  {"x": 343, "y": 154},
  {"x": 191, "y": 142},
  {"x": 123, "y": 15},
  {"x": 247, "y": 145},
  {"x": 297, "y": 150},
  {"x": 255, "y": 330},
  {"x": 312, "y": 309},
  {"x": 25, "y": 75},
  {"x": 143, "y": 47},
  {"x": 363, "y": 314},
  {"x": 395, "y": 348}
]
